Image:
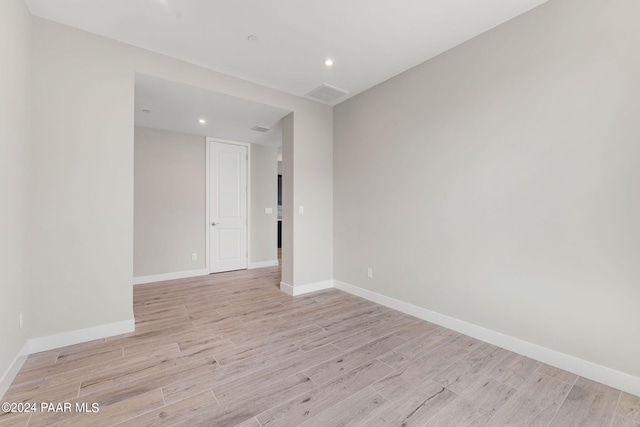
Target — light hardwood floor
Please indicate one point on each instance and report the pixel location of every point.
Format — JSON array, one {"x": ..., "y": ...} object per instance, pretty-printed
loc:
[{"x": 232, "y": 350}]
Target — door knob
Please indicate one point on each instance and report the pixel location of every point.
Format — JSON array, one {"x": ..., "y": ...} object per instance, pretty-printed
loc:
[{"x": 213, "y": 224}]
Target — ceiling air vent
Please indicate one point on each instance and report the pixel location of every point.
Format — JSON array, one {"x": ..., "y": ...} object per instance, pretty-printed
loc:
[
  {"x": 260, "y": 128},
  {"x": 327, "y": 94}
]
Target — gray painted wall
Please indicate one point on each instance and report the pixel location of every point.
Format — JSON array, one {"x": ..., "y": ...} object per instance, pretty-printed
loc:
[
  {"x": 288, "y": 217},
  {"x": 169, "y": 202},
  {"x": 15, "y": 39},
  {"x": 498, "y": 183},
  {"x": 263, "y": 238}
]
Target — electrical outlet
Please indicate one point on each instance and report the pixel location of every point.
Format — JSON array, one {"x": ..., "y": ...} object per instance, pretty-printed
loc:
[
  {"x": 268, "y": 210},
  {"x": 370, "y": 273},
  {"x": 194, "y": 257},
  {"x": 21, "y": 319}
]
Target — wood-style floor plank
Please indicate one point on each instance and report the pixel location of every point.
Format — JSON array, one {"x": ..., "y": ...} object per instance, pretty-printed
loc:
[
  {"x": 17, "y": 420},
  {"x": 514, "y": 370},
  {"x": 290, "y": 366},
  {"x": 174, "y": 414},
  {"x": 421, "y": 369},
  {"x": 232, "y": 350},
  {"x": 535, "y": 404},
  {"x": 350, "y": 411},
  {"x": 628, "y": 408},
  {"x": 587, "y": 404},
  {"x": 306, "y": 406},
  {"x": 470, "y": 368},
  {"x": 416, "y": 405},
  {"x": 476, "y": 406},
  {"x": 324, "y": 372}
]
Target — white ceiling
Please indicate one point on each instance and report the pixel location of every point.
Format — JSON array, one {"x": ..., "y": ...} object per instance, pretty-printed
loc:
[
  {"x": 369, "y": 40},
  {"x": 178, "y": 107}
]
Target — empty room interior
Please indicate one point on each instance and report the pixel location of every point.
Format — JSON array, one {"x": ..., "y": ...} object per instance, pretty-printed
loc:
[{"x": 292, "y": 213}]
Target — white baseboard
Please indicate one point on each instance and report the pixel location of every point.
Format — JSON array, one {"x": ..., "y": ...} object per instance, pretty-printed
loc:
[
  {"x": 286, "y": 288},
  {"x": 12, "y": 371},
  {"x": 305, "y": 289},
  {"x": 169, "y": 276},
  {"x": 50, "y": 342},
  {"x": 263, "y": 264},
  {"x": 578, "y": 366}
]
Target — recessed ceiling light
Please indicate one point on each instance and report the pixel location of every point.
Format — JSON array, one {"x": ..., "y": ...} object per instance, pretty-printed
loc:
[
  {"x": 202, "y": 121},
  {"x": 328, "y": 62},
  {"x": 252, "y": 38}
]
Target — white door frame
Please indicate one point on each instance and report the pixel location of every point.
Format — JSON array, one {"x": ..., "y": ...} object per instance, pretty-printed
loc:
[{"x": 208, "y": 140}]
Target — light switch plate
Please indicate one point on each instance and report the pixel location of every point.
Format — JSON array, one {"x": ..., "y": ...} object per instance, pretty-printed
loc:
[
  {"x": 301, "y": 210},
  {"x": 268, "y": 210}
]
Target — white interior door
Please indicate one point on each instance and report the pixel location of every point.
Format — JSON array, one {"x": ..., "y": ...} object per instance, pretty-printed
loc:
[{"x": 227, "y": 206}]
